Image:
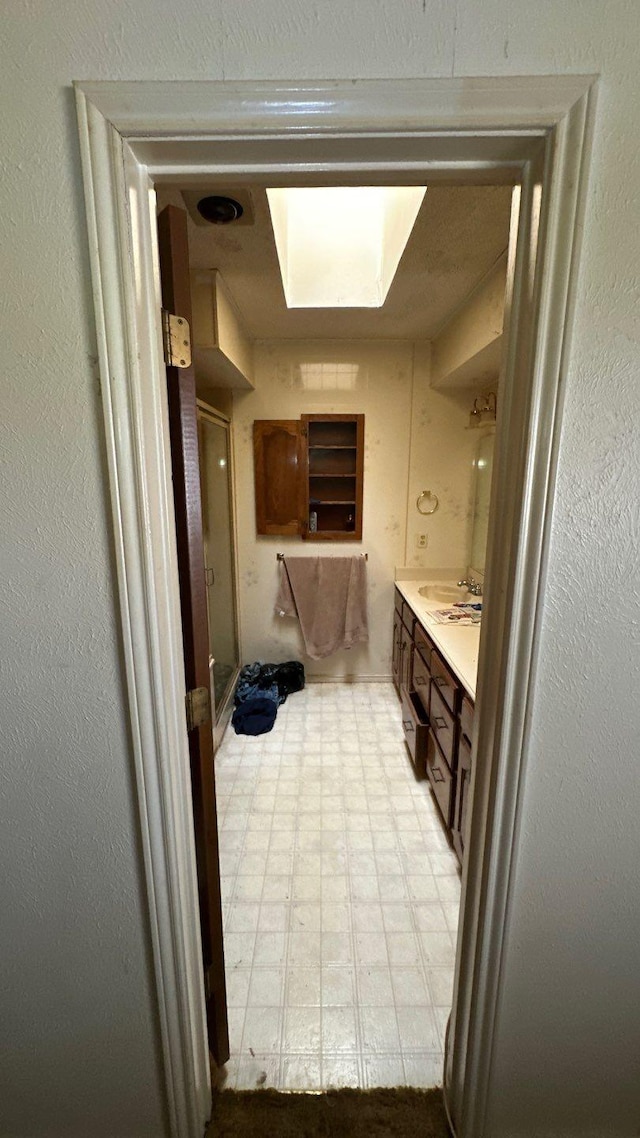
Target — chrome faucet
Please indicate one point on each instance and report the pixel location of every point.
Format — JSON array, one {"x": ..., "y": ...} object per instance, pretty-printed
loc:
[{"x": 474, "y": 587}]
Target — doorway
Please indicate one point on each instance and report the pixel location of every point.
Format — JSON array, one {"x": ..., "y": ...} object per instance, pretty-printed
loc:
[
  {"x": 343, "y": 868},
  {"x": 133, "y": 137}
]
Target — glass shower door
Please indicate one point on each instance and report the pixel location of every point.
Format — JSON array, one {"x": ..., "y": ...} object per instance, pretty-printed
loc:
[{"x": 217, "y": 526}]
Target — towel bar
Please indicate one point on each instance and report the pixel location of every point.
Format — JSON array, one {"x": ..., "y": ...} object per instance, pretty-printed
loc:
[{"x": 281, "y": 556}]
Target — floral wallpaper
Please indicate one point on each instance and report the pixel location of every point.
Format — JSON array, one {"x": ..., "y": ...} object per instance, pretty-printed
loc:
[{"x": 410, "y": 436}]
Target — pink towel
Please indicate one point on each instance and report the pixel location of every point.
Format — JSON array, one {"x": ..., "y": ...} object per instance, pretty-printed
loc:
[{"x": 329, "y": 597}]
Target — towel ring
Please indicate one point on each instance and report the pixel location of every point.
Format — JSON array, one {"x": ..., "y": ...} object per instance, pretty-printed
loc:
[{"x": 427, "y": 494}]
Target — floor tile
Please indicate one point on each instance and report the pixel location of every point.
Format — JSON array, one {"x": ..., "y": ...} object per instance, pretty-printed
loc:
[
  {"x": 379, "y": 1029},
  {"x": 336, "y": 948},
  {"x": 430, "y": 917},
  {"x": 238, "y": 980},
  {"x": 302, "y": 986},
  {"x": 340, "y": 1071},
  {"x": 409, "y": 987},
  {"x": 451, "y": 915},
  {"x": 437, "y": 948},
  {"x": 335, "y": 918},
  {"x": 424, "y": 1069},
  {"x": 270, "y": 948},
  {"x": 371, "y": 948},
  {"x": 304, "y": 947},
  {"x": 403, "y": 948},
  {"x": 440, "y": 982},
  {"x": 242, "y": 918},
  {"x": 367, "y": 917},
  {"x": 417, "y": 1029},
  {"x": 397, "y": 918},
  {"x": 262, "y": 1030},
  {"x": 273, "y": 918},
  {"x": 300, "y": 1073},
  {"x": 441, "y": 1016},
  {"x": 239, "y": 949},
  {"x": 340, "y": 899},
  {"x": 383, "y": 1071},
  {"x": 374, "y": 987},
  {"x": 266, "y": 988},
  {"x": 301, "y": 1030},
  {"x": 339, "y": 1030},
  {"x": 337, "y": 986}
]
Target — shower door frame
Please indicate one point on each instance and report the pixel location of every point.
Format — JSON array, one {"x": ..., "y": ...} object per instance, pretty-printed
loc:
[
  {"x": 221, "y": 716},
  {"x": 136, "y": 134}
]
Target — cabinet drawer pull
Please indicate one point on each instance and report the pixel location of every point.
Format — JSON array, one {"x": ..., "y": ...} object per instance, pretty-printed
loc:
[
  {"x": 440, "y": 722},
  {"x": 420, "y": 681},
  {"x": 440, "y": 681},
  {"x": 437, "y": 774},
  {"x": 407, "y": 724}
]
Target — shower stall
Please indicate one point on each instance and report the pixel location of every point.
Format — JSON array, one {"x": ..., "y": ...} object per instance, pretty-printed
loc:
[{"x": 214, "y": 448}]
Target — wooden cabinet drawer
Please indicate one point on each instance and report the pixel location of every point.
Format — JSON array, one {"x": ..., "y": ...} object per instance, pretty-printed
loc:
[
  {"x": 421, "y": 680},
  {"x": 443, "y": 726},
  {"x": 445, "y": 682},
  {"x": 423, "y": 644},
  {"x": 416, "y": 731},
  {"x": 406, "y": 658},
  {"x": 466, "y": 717},
  {"x": 461, "y": 807},
  {"x": 440, "y": 779},
  {"x": 398, "y": 601},
  {"x": 408, "y": 618}
]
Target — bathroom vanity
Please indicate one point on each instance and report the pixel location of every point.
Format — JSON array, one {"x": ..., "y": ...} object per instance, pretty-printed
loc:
[{"x": 434, "y": 671}]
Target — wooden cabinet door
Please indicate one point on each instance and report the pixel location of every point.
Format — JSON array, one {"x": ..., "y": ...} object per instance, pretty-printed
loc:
[
  {"x": 461, "y": 808},
  {"x": 279, "y": 466},
  {"x": 396, "y": 653},
  {"x": 406, "y": 660},
  {"x": 183, "y": 432}
]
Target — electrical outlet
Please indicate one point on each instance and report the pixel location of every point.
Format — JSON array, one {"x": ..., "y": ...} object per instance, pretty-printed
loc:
[{"x": 421, "y": 540}]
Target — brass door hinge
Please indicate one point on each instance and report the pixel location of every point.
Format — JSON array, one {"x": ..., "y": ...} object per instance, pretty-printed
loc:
[
  {"x": 176, "y": 340},
  {"x": 198, "y": 705}
]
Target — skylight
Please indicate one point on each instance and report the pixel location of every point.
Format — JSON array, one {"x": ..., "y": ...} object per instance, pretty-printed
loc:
[{"x": 340, "y": 246}]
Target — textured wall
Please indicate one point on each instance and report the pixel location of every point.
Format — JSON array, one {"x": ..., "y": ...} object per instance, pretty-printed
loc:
[
  {"x": 414, "y": 437},
  {"x": 440, "y": 459},
  {"x": 78, "y": 1012}
]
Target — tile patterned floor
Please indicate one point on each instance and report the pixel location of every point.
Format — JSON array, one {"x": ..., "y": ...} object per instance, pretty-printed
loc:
[{"x": 340, "y": 898}]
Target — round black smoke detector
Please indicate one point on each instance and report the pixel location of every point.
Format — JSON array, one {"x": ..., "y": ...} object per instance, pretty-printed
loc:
[{"x": 219, "y": 210}]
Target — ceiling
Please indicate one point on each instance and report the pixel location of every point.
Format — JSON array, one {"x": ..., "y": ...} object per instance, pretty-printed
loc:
[{"x": 459, "y": 234}]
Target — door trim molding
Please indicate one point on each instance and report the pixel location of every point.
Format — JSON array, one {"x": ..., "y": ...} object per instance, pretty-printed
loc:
[
  {"x": 134, "y": 133},
  {"x": 137, "y": 432}
]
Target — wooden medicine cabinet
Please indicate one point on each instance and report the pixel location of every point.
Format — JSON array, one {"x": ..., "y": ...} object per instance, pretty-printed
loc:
[{"x": 309, "y": 475}]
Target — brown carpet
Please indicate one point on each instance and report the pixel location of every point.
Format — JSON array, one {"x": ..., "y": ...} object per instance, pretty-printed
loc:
[{"x": 401, "y": 1112}]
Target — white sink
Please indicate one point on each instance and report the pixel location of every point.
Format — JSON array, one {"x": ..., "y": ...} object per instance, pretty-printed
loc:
[{"x": 445, "y": 593}]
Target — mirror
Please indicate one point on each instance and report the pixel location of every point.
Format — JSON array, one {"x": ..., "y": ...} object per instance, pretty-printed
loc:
[{"x": 483, "y": 464}]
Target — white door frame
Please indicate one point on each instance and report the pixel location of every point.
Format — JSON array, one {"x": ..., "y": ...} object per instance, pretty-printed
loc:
[{"x": 535, "y": 129}]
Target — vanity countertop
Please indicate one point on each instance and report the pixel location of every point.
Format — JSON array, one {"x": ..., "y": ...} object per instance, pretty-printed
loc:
[{"x": 459, "y": 644}]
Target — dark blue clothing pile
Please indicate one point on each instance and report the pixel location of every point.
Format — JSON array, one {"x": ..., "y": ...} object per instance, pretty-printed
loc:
[{"x": 260, "y": 691}]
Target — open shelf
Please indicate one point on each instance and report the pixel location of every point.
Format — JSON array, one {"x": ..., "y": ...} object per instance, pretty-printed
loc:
[
  {"x": 332, "y": 433},
  {"x": 332, "y": 488},
  {"x": 335, "y": 452},
  {"x": 339, "y": 460},
  {"x": 335, "y": 518}
]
